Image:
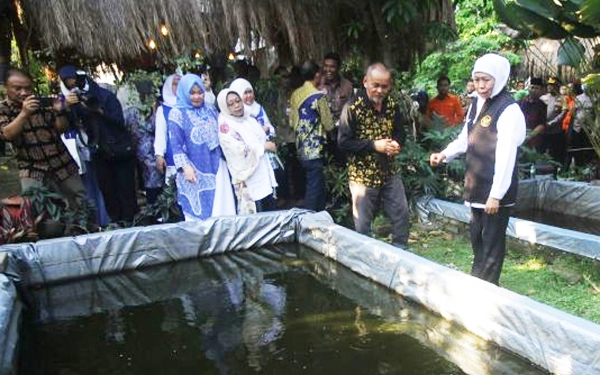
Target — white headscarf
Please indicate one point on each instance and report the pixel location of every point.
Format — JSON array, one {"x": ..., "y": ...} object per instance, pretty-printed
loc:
[
  {"x": 225, "y": 112},
  {"x": 169, "y": 97},
  {"x": 496, "y": 66},
  {"x": 241, "y": 85}
]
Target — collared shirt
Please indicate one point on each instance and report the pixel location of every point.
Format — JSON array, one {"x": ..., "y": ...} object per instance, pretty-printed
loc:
[
  {"x": 40, "y": 151},
  {"x": 311, "y": 119},
  {"x": 338, "y": 93},
  {"x": 360, "y": 126},
  {"x": 535, "y": 114},
  {"x": 448, "y": 108}
]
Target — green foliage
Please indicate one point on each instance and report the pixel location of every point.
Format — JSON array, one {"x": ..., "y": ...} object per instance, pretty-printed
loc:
[
  {"x": 474, "y": 18},
  {"x": 565, "y": 281},
  {"x": 400, "y": 13},
  {"x": 457, "y": 60},
  {"x": 45, "y": 203},
  {"x": 336, "y": 178},
  {"x": 592, "y": 128},
  {"x": 476, "y": 24},
  {"x": 164, "y": 210},
  {"x": 551, "y": 19},
  {"x": 143, "y": 78},
  {"x": 80, "y": 219},
  {"x": 189, "y": 63},
  {"x": 418, "y": 177},
  {"x": 48, "y": 206}
]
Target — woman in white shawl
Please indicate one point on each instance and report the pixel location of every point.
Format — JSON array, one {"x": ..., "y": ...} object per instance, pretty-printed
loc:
[
  {"x": 244, "y": 143},
  {"x": 244, "y": 89}
]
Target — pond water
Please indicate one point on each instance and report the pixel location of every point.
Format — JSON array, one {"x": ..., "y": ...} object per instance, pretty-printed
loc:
[
  {"x": 281, "y": 310},
  {"x": 580, "y": 224}
]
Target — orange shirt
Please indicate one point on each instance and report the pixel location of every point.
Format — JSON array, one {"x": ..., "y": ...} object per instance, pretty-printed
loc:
[
  {"x": 570, "y": 104},
  {"x": 448, "y": 108}
]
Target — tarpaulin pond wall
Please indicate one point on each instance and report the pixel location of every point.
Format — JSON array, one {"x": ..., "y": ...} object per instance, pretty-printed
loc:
[
  {"x": 574, "y": 199},
  {"x": 549, "y": 338}
]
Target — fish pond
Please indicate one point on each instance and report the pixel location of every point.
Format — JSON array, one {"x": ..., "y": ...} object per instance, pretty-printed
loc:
[{"x": 278, "y": 310}]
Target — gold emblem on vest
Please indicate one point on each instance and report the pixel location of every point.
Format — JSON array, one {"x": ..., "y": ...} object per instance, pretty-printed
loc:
[{"x": 486, "y": 121}]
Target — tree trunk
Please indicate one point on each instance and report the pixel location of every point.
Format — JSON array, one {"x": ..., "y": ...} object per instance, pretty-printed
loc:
[{"x": 5, "y": 38}]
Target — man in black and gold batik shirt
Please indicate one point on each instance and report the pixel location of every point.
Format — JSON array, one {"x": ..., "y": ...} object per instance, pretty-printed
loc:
[{"x": 372, "y": 134}]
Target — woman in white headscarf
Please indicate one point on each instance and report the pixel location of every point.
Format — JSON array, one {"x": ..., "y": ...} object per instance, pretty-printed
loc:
[
  {"x": 494, "y": 130},
  {"x": 162, "y": 149},
  {"x": 244, "y": 144},
  {"x": 244, "y": 89}
]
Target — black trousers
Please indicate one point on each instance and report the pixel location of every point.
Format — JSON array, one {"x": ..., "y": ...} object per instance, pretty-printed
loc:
[
  {"x": 488, "y": 239},
  {"x": 117, "y": 183}
]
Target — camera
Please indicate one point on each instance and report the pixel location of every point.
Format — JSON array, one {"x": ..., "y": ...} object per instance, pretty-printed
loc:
[
  {"x": 45, "y": 101},
  {"x": 84, "y": 97}
]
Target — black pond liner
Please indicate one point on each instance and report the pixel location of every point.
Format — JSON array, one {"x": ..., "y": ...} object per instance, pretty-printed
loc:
[{"x": 548, "y": 338}]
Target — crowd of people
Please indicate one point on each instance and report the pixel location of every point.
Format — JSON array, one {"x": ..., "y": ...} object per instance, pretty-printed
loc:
[
  {"x": 556, "y": 115},
  {"x": 221, "y": 151}
]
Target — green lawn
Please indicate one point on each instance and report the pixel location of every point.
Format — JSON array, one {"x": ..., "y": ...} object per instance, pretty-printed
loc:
[{"x": 568, "y": 282}]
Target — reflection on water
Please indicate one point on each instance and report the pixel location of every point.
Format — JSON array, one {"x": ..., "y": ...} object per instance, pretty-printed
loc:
[
  {"x": 283, "y": 310},
  {"x": 580, "y": 224}
]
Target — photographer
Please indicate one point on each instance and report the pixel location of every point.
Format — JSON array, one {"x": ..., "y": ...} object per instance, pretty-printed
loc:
[
  {"x": 34, "y": 125},
  {"x": 97, "y": 112}
]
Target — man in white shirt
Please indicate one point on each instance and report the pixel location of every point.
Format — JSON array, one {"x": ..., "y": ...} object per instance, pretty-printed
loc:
[{"x": 494, "y": 129}]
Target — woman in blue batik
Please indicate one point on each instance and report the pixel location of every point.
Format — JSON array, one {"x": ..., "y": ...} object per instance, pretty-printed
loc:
[{"x": 203, "y": 183}]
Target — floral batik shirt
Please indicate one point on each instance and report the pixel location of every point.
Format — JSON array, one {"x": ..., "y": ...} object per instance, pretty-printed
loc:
[
  {"x": 311, "y": 119},
  {"x": 360, "y": 126}
]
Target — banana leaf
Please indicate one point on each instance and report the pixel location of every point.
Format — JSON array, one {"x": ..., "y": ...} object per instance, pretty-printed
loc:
[
  {"x": 528, "y": 21},
  {"x": 571, "y": 53},
  {"x": 544, "y": 18},
  {"x": 590, "y": 13}
]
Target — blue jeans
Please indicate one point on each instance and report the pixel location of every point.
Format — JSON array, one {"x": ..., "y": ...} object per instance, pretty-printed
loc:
[
  {"x": 314, "y": 197},
  {"x": 366, "y": 201}
]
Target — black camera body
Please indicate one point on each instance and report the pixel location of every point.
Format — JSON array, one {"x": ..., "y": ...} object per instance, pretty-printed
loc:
[
  {"x": 84, "y": 97},
  {"x": 45, "y": 101}
]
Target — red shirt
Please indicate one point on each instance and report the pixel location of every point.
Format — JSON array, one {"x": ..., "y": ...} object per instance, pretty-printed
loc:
[{"x": 448, "y": 108}]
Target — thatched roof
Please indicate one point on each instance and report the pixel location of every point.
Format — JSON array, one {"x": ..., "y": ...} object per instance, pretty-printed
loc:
[{"x": 119, "y": 30}]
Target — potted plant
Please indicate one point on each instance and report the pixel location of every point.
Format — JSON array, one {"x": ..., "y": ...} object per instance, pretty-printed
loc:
[
  {"x": 48, "y": 209},
  {"x": 17, "y": 225}
]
